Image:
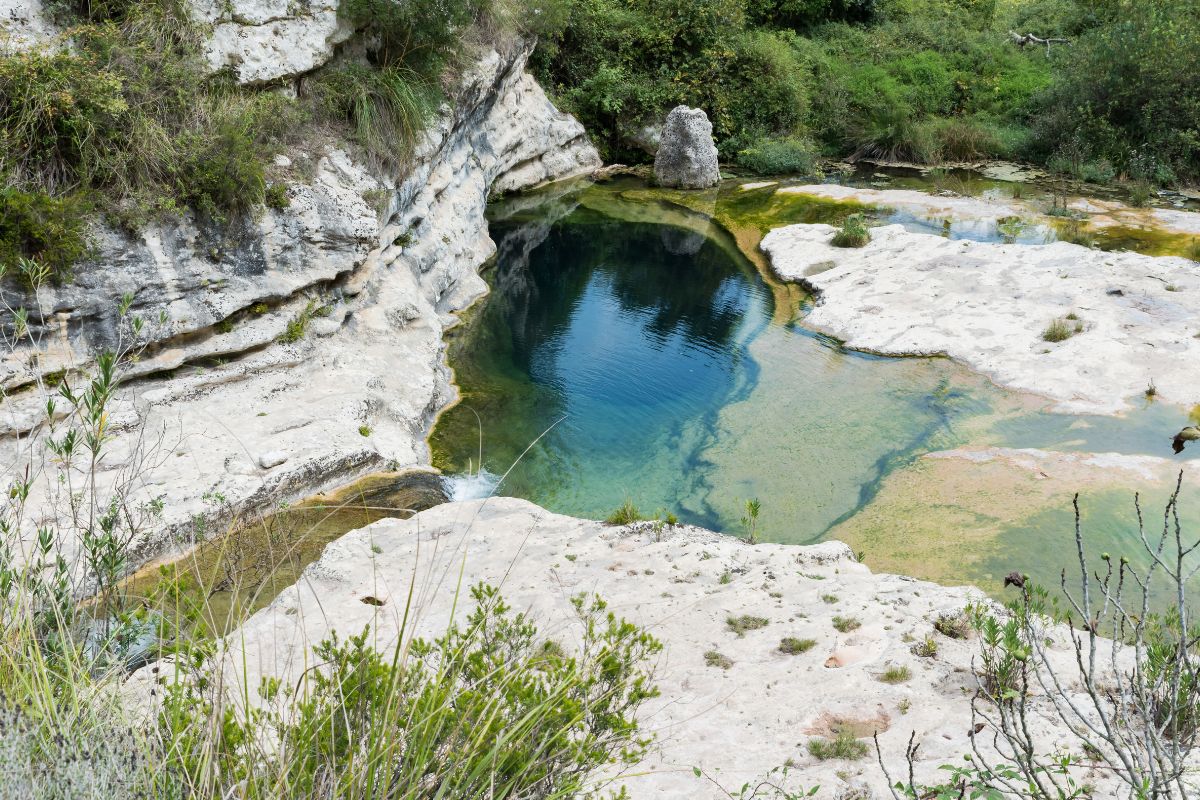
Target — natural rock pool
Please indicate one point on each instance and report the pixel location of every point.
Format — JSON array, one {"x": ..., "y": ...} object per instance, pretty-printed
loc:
[{"x": 631, "y": 350}]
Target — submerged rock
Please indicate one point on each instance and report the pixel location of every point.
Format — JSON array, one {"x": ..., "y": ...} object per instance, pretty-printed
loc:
[{"x": 687, "y": 155}]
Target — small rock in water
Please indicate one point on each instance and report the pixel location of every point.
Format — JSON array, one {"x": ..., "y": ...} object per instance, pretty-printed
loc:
[
  {"x": 272, "y": 458},
  {"x": 687, "y": 155}
]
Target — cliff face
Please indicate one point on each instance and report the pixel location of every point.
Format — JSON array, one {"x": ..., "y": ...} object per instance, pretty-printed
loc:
[{"x": 368, "y": 265}]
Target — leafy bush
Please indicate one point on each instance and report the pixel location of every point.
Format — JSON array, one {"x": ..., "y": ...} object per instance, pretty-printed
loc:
[
  {"x": 1126, "y": 95},
  {"x": 790, "y": 156},
  {"x": 128, "y": 110},
  {"x": 62, "y": 115},
  {"x": 220, "y": 171},
  {"x": 51, "y": 231},
  {"x": 620, "y": 65}
]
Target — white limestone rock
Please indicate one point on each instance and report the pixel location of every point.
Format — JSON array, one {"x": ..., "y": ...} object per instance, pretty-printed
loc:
[
  {"x": 24, "y": 24},
  {"x": 270, "y": 40},
  {"x": 687, "y": 155},
  {"x": 987, "y": 305}
]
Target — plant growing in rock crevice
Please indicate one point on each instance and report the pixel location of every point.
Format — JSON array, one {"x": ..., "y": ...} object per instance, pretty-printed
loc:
[{"x": 853, "y": 233}]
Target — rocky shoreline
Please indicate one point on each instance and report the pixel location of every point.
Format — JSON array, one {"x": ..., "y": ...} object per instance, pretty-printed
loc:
[{"x": 734, "y": 702}]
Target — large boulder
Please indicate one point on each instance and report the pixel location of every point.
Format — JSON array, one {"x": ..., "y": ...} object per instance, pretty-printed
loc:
[{"x": 687, "y": 155}]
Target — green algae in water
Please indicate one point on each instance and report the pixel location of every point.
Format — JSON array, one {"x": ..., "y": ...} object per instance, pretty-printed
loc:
[{"x": 225, "y": 579}]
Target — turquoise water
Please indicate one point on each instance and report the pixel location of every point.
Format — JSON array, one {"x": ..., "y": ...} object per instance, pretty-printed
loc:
[{"x": 629, "y": 351}]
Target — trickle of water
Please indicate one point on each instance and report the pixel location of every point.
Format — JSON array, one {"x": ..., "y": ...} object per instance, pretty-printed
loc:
[{"x": 476, "y": 486}]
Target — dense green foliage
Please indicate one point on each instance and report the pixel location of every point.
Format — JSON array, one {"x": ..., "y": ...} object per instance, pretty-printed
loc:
[
  {"x": 619, "y": 64},
  {"x": 50, "y": 231},
  {"x": 919, "y": 80}
]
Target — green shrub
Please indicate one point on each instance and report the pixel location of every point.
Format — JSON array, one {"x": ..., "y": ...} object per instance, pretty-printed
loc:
[
  {"x": 622, "y": 64},
  {"x": 51, "y": 231},
  {"x": 853, "y": 233},
  {"x": 791, "y": 156},
  {"x": 129, "y": 111},
  {"x": 220, "y": 172},
  {"x": 276, "y": 196},
  {"x": 846, "y": 624},
  {"x": 1125, "y": 96}
]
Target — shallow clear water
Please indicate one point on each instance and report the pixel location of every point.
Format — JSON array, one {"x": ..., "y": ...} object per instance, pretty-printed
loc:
[{"x": 629, "y": 350}]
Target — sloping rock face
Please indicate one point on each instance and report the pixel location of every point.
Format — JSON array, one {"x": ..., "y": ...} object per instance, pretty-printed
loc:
[
  {"x": 736, "y": 722},
  {"x": 375, "y": 282},
  {"x": 269, "y": 40},
  {"x": 687, "y": 156},
  {"x": 1132, "y": 318}
]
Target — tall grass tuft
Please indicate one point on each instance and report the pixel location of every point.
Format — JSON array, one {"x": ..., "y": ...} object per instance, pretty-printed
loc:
[
  {"x": 386, "y": 108},
  {"x": 854, "y": 233}
]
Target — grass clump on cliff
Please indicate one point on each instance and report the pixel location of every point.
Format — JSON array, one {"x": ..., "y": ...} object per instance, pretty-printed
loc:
[
  {"x": 714, "y": 658},
  {"x": 745, "y": 622},
  {"x": 846, "y": 624},
  {"x": 853, "y": 233},
  {"x": 1061, "y": 329},
  {"x": 625, "y": 514},
  {"x": 792, "y": 646},
  {"x": 898, "y": 674},
  {"x": 844, "y": 747}
]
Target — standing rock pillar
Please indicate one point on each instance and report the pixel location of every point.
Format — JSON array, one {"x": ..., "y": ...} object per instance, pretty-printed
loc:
[{"x": 687, "y": 155}]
